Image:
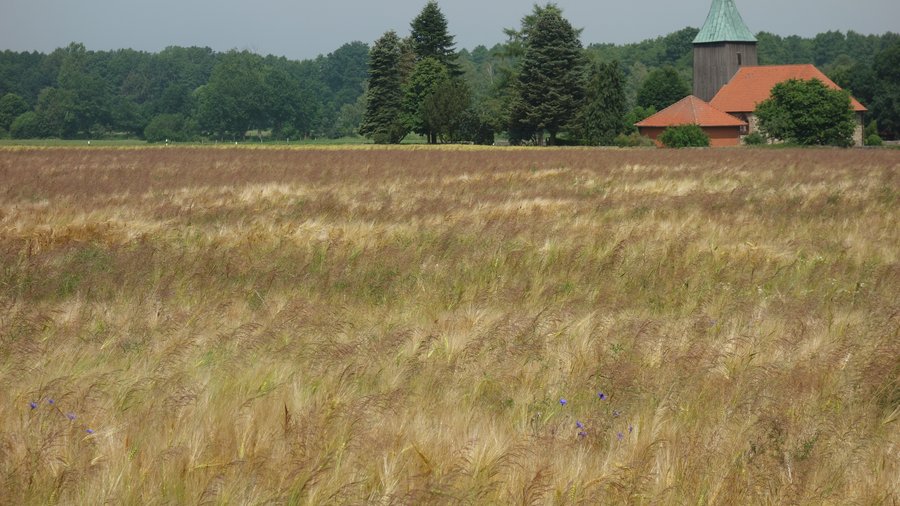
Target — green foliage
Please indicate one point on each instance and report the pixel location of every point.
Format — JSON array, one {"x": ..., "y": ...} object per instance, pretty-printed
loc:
[
  {"x": 445, "y": 110},
  {"x": 58, "y": 112},
  {"x": 662, "y": 88},
  {"x": 426, "y": 77},
  {"x": 684, "y": 136},
  {"x": 603, "y": 116},
  {"x": 383, "y": 121},
  {"x": 11, "y": 107},
  {"x": 550, "y": 85},
  {"x": 633, "y": 140},
  {"x": 807, "y": 113},
  {"x": 169, "y": 127},
  {"x": 430, "y": 38},
  {"x": 874, "y": 140},
  {"x": 638, "y": 114},
  {"x": 887, "y": 102},
  {"x": 755, "y": 139},
  {"x": 26, "y": 126}
]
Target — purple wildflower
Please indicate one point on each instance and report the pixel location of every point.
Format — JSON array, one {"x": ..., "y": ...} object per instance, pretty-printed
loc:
[
  {"x": 620, "y": 436},
  {"x": 563, "y": 402},
  {"x": 90, "y": 431},
  {"x": 601, "y": 395},
  {"x": 70, "y": 416},
  {"x": 579, "y": 425},
  {"x": 582, "y": 434},
  {"x": 33, "y": 405},
  {"x": 50, "y": 401},
  {"x": 630, "y": 428}
]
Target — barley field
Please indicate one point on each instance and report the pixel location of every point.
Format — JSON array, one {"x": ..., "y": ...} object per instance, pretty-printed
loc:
[{"x": 449, "y": 326}]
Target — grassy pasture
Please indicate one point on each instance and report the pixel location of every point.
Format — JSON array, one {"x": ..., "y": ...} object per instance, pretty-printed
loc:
[{"x": 399, "y": 326}]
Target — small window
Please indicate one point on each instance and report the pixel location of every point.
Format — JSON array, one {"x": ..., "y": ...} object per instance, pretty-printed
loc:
[{"x": 740, "y": 59}]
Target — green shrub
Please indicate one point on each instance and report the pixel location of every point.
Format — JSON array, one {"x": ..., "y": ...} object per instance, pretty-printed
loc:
[
  {"x": 874, "y": 140},
  {"x": 684, "y": 136},
  {"x": 755, "y": 139},
  {"x": 633, "y": 140}
]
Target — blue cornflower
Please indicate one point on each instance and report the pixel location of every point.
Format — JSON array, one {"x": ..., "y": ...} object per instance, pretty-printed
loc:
[
  {"x": 50, "y": 401},
  {"x": 90, "y": 431},
  {"x": 33, "y": 405},
  {"x": 601, "y": 395},
  {"x": 582, "y": 434},
  {"x": 620, "y": 436},
  {"x": 579, "y": 425},
  {"x": 70, "y": 416},
  {"x": 563, "y": 402}
]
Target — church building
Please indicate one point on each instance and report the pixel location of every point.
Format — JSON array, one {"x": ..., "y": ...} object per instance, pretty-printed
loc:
[{"x": 728, "y": 79}]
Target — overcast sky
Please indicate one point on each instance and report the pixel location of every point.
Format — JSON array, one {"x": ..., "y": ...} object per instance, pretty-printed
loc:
[{"x": 303, "y": 28}]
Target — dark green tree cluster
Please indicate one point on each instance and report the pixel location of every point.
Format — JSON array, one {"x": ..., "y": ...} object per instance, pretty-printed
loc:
[
  {"x": 178, "y": 93},
  {"x": 415, "y": 85}
]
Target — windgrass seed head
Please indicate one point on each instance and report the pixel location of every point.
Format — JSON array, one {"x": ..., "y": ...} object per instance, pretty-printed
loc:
[{"x": 616, "y": 413}]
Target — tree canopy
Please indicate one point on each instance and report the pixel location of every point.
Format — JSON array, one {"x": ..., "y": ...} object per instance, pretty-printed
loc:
[
  {"x": 550, "y": 85},
  {"x": 807, "y": 113}
]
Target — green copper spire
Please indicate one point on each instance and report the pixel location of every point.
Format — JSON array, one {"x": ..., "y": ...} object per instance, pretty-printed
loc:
[{"x": 724, "y": 24}]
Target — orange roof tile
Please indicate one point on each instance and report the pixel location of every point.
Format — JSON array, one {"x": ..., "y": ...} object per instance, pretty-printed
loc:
[
  {"x": 690, "y": 110},
  {"x": 752, "y": 85}
]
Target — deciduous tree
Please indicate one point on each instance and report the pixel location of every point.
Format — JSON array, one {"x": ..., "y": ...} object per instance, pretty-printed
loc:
[
  {"x": 807, "y": 113},
  {"x": 662, "y": 88}
]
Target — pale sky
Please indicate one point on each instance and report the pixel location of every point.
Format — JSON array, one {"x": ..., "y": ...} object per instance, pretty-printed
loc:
[{"x": 302, "y": 29}]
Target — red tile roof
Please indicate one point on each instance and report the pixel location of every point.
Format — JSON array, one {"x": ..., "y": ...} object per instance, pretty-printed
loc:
[
  {"x": 690, "y": 110},
  {"x": 752, "y": 85}
]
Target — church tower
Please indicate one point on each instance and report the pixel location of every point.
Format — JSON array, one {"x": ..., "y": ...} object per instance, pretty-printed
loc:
[{"x": 723, "y": 45}]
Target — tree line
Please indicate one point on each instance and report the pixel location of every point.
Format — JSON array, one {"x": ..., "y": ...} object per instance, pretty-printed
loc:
[{"x": 539, "y": 86}]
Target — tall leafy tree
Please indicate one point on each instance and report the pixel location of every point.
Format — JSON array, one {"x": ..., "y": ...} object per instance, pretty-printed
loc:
[
  {"x": 11, "y": 106},
  {"x": 603, "y": 116},
  {"x": 550, "y": 85},
  {"x": 446, "y": 110},
  {"x": 662, "y": 88},
  {"x": 431, "y": 39},
  {"x": 807, "y": 113},
  {"x": 383, "y": 120}
]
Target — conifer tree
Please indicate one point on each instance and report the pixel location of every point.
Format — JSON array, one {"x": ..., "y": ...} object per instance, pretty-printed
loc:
[
  {"x": 383, "y": 120},
  {"x": 431, "y": 39},
  {"x": 603, "y": 116},
  {"x": 550, "y": 86}
]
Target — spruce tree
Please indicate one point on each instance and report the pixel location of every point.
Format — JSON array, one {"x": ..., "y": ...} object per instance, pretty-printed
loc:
[
  {"x": 430, "y": 38},
  {"x": 383, "y": 120},
  {"x": 603, "y": 115},
  {"x": 550, "y": 86}
]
